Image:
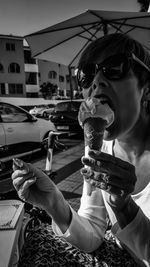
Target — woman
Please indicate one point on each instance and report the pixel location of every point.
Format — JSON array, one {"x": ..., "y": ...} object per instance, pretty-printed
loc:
[{"x": 116, "y": 68}]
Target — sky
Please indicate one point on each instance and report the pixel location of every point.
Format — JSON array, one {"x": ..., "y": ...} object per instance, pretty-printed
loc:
[{"x": 22, "y": 17}]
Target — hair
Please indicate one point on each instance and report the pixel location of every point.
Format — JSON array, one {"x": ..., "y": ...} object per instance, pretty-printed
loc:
[{"x": 118, "y": 43}]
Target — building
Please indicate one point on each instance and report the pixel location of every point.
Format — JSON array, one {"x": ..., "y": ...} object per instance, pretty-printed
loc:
[
  {"x": 56, "y": 74},
  {"x": 22, "y": 76},
  {"x": 12, "y": 75}
]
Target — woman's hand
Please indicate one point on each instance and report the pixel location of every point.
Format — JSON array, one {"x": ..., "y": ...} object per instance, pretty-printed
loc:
[
  {"x": 35, "y": 187},
  {"x": 32, "y": 184},
  {"x": 115, "y": 176}
]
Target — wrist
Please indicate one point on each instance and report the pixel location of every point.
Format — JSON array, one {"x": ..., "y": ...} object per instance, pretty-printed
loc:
[
  {"x": 126, "y": 212},
  {"x": 120, "y": 203}
]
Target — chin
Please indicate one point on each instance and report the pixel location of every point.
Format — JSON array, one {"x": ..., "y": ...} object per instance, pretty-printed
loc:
[{"x": 110, "y": 135}]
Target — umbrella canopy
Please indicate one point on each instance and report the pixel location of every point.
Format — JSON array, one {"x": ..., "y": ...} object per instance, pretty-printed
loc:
[{"x": 64, "y": 42}]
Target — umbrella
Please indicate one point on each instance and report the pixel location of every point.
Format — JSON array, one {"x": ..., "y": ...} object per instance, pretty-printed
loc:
[{"x": 64, "y": 42}]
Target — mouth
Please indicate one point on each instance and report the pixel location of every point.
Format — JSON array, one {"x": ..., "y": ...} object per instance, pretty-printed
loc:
[{"x": 106, "y": 100}]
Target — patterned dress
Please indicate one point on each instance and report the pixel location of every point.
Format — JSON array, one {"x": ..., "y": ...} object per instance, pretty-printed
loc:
[{"x": 42, "y": 248}]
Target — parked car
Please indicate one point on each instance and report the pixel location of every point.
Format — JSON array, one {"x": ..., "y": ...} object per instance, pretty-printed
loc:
[
  {"x": 42, "y": 110},
  {"x": 65, "y": 116},
  {"x": 20, "y": 133}
]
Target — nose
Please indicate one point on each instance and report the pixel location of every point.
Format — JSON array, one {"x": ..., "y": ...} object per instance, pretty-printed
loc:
[{"x": 99, "y": 85}]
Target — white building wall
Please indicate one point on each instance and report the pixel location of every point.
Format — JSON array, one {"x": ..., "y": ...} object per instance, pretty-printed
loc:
[{"x": 46, "y": 66}]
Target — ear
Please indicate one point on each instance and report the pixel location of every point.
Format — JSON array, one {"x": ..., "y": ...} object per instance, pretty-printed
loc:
[{"x": 146, "y": 93}]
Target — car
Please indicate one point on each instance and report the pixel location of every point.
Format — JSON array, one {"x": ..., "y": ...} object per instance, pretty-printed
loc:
[
  {"x": 42, "y": 110},
  {"x": 20, "y": 133},
  {"x": 65, "y": 116}
]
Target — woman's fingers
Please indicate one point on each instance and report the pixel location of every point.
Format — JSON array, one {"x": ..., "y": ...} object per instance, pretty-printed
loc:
[
  {"x": 24, "y": 191},
  {"x": 111, "y": 168},
  {"x": 19, "y": 164},
  {"x": 18, "y": 180},
  {"x": 107, "y": 157},
  {"x": 114, "y": 180},
  {"x": 111, "y": 174}
]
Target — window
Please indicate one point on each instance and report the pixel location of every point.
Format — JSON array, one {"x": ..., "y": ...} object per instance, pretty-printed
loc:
[
  {"x": 68, "y": 78},
  {"x": 31, "y": 78},
  {"x": 10, "y": 47},
  {"x": 2, "y": 89},
  {"x": 15, "y": 89},
  {"x": 10, "y": 113},
  {"x": 61, "y": 92},
  {"x": 1, "y": 68},
  {"x": 14, "y": 68},
  {"x": 63, "y": 106},
  {"x": 52, "y": 74},
  {"x": 61, "y": 78}
]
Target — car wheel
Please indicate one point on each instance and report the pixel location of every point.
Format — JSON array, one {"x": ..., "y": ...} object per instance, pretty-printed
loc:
[{"x": 45, "y": 115}]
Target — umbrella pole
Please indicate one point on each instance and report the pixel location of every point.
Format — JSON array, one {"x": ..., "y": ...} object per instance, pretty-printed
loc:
[{"x": 71, "y": 84}]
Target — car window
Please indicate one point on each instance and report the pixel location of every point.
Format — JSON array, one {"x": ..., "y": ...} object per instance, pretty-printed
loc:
[
  {"x": 61, "y": 107},
  {"x": 11, "y": 113},
  {"x": 51, "y": 106}
]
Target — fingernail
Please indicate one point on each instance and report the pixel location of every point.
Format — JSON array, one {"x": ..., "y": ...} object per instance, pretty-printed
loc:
[
  {"x": 18, "y": 162},
  {"x": 83, "y": 171},
  {"x": 103, "y": 186}
]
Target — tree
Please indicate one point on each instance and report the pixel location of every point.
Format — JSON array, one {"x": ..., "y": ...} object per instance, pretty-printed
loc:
[
  {"x": 144, "y": 5},
  {"x": 48, "y": 90}
]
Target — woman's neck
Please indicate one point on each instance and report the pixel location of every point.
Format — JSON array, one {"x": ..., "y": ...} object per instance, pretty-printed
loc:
[{"x": 136, "y": 142}]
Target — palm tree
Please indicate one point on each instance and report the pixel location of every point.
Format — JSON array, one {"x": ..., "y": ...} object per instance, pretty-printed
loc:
[{"x": 144, "y": 5}]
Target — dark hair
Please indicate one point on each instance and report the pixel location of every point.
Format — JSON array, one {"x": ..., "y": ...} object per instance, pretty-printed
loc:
[{"x": 118, "y": 43}]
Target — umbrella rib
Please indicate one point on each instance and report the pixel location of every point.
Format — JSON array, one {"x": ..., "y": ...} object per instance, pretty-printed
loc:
[
  {"x": 87, "y": 24},
  {"x": 112, "y": 20},
  {"x": 92, "y": 34},
  {"x": 65, "y": 28},
  {"x": 89, "y": 40},
  {"x": 131, "y": 18},
  {"x": 67, "y": 39},
  {"x": 130, "y": 25}
]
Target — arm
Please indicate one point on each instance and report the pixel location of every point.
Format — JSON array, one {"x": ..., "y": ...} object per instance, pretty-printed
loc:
[
  {"x": 119, "y": 186},
  {"x": 85, "y": 229},
  {"x": 136, "y": 236},
  {"x": 125, "y": 211},
  {"x": 88, "y": 227}
]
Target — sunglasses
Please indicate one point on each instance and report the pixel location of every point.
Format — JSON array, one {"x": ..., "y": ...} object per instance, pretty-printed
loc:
[{"x": 113, "y": 68}]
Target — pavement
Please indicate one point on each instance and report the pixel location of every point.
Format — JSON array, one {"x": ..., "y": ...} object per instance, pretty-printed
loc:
[{"x": 67, "y": 165}]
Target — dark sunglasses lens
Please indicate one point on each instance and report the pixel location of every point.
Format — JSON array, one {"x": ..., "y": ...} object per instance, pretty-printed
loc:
[
  {"x": 115, "y": 67},
  {"x": 85, "y": 77}
]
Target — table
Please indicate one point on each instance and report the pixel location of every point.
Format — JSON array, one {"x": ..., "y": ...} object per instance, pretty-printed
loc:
[{"x": 11, "y": 231}]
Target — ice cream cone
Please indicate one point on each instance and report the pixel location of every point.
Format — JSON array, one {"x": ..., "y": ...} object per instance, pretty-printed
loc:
[{"x": 94, "y": 132}]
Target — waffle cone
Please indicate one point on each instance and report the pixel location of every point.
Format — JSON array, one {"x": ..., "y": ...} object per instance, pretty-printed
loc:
[{"x": 94, "y": 132}]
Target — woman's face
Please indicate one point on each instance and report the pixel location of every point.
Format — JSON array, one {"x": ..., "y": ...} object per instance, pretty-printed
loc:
[{"x": 124, "y": 96}]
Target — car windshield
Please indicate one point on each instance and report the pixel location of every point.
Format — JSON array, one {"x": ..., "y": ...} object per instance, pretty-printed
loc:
[{"x": 42, "y": 106}]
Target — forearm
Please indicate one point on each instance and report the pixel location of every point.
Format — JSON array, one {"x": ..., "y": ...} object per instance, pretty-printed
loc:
[
  {"x": 127, "y": 213},
  {"x": 60, "y": 212},
  {"x": 136, "y": 235}
]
